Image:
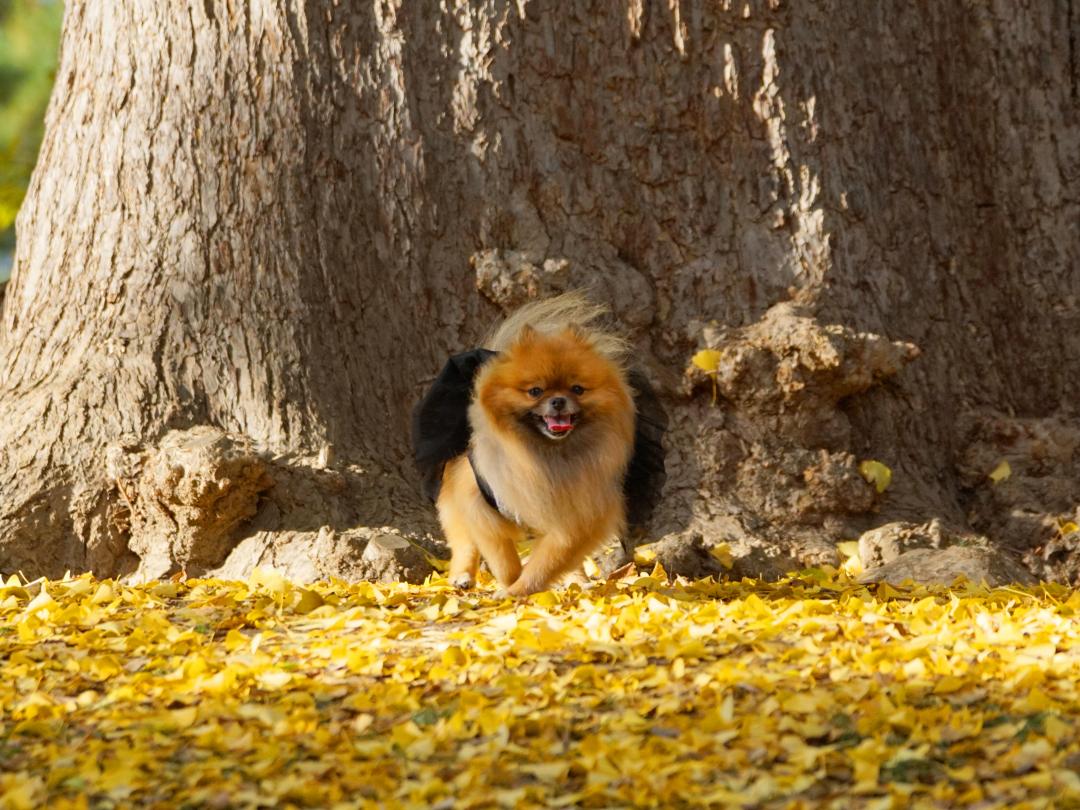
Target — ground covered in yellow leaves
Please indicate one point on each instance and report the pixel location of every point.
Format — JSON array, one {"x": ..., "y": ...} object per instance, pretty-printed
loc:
[{"x": 813, "y": 692}]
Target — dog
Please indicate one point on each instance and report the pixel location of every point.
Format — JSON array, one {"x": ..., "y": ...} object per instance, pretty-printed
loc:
[{"x": 546, "y": 432}]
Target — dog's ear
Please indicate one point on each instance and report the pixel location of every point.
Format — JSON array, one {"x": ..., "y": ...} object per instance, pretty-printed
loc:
[{"x": 578, "y": 332}]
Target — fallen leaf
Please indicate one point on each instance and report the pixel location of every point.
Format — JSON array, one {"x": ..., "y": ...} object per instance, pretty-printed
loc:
[
  {"x": 1001, "y": 472},
  {"x": 721, "y": 552},
  {"x": 639, "y": 691},
  {"x": 708, "y": 360},
  {"x": 876, "y": 473}
]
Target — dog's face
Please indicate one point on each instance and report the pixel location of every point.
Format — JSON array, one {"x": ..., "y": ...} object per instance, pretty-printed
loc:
[
  {"x": 553, "y": 388},
  {"x": 557, "y": 409}
]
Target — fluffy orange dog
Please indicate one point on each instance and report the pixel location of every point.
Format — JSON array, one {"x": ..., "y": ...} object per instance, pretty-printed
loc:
[{"x": 552, "y": 421}]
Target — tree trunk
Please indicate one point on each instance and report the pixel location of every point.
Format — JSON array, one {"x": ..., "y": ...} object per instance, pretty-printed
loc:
[{"x": 256, "y": 230}]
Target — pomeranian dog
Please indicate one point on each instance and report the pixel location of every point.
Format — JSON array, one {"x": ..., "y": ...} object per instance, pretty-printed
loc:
[{"x": 551, "y": 431}]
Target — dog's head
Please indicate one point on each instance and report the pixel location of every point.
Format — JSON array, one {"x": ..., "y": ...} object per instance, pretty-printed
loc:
[{"x": 553, "y": 388}]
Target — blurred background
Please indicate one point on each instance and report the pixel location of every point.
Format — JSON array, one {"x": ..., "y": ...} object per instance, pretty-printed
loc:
[{"x": 29, "y": 38}]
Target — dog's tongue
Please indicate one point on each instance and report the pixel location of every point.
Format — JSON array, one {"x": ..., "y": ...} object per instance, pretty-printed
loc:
[{"x": 559, "y": 424}]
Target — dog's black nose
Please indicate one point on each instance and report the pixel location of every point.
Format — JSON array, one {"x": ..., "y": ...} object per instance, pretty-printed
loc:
[{"x": 558, "y": 403}]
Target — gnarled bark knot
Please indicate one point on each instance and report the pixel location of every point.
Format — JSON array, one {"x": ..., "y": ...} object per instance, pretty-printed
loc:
[
  {"x": 788, "y": 360},
  {"x": 776, "y": 451},
  {"x": 187, "y": 497}
]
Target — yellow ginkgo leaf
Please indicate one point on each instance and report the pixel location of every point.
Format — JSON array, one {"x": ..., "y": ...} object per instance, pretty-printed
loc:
[
  {"x": 849, "y": 553},
  {"x": 721, "y": 552},
  {"x": 707, "y": 360},
  {"x": 876, "y": 473},
  {"x": 955, "y": 692},
  {"x": 308, "y": 601},
  {"x": 1000, "y": 472},
  {"x": 848, "y": 548},
  {"x": 646, "y": 554}
]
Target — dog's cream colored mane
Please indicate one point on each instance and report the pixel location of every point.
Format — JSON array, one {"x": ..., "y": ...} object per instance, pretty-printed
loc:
[{"x": 571, "y": 310}]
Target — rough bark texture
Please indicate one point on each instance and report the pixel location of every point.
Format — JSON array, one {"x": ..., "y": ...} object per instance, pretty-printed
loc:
[{"x": 276, "y": 219}]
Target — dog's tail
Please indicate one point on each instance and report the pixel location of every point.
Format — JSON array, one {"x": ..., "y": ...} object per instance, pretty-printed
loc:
[{"x": 571, "y": 310}]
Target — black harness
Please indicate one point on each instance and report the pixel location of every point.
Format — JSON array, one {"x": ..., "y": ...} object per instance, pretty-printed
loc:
[{"x": 486, "y": 490}]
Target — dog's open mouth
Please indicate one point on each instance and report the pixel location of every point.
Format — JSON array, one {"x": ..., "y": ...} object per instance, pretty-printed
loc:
[{"x": 559, "y": 425}]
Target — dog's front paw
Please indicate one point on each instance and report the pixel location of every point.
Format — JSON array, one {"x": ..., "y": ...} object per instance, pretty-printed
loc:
[
  {"x": 503, "y": 594},
  {"x": 518, "y": 590},
  {"x": 462, "y": 581}
]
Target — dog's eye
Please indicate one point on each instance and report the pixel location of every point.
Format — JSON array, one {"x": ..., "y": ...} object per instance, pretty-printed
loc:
[
  {"x": 535, "y": 391},
  {"x": 577, "y": 390}
]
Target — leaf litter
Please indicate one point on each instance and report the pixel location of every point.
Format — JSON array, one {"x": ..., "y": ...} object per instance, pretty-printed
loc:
[{"x": 810, "y": 692}]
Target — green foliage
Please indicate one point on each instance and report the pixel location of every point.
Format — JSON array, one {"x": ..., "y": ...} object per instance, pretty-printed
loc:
[{"x": 29, "y": 38}]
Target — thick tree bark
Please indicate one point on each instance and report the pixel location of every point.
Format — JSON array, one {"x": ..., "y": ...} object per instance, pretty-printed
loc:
[{"x": 276, "y": 219}]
